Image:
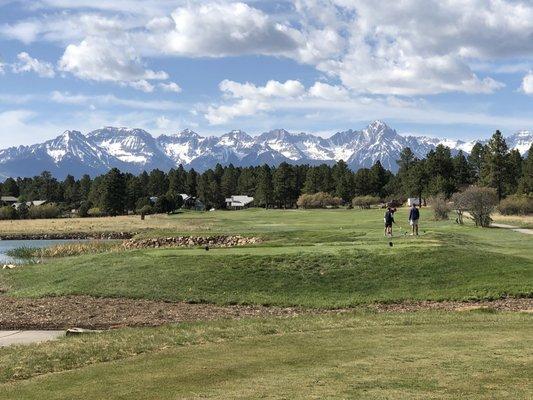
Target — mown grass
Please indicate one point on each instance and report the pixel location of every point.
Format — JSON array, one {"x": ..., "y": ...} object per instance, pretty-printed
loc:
[
  {"x": 424, "y": 355},
  {"x": 333, "y": 258}
]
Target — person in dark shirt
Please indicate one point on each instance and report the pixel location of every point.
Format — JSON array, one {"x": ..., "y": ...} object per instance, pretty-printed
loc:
[
  {"x": 389, "y": 220},
  {"x": 414, "y": 216}
]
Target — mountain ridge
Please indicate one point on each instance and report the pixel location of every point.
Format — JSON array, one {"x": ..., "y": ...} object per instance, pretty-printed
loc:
[{"x": 135, "y": 150}]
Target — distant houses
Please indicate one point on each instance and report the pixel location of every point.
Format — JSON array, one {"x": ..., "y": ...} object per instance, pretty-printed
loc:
[
  {"x": 238, "y": 202},
  {"x": 8, "y": 200},
  {"x": 15, "y": 203}
]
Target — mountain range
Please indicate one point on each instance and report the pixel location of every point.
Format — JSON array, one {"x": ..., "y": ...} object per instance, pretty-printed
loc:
[{"x": 135, "y": 150}]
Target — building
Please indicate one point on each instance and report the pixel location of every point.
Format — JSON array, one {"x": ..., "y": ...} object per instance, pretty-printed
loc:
[
  {"x": 35, "y": 203},
  {"x": 238, "y": 202},
  {"x": 413, "y": 200},
  {"x": 8, "y": 200}
]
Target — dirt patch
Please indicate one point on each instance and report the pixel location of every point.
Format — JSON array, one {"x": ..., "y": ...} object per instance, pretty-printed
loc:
[
  {"x": 508, "y": 304},
  {"x": 105, "y": 313}
]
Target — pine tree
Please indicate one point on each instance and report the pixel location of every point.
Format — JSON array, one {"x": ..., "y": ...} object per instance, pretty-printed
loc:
[
  {"x": 134, "y": 192},
  {"x": 525, "y": 186},
  {"x": 407, "y": 158},
  {"x": 439, "y": 165},
  {"x": 191, "y": 183},
  {"x": 343, "y": 179},
  {"x": 10, "y": 188},
  {"x": 514, "y": 174},
  {"x": 85, "y": 187},
  {"x": 264, "y": 192},
  {"x": 113, "y": 193},
  {"x": 228, "y": 182},
  {"x": 476, "y": 159},
  {"x": 312, "y": 181},
  {"x": 283, "y": 182},
  {"x": 378, "y": 178},
  {"x": 246, "y": 184},
  {"x": 462, "y": 170},
  {"x": 495, "y": 168},
  {"x": 157, "y": 183},
  {"x": 363, "y": 182}
]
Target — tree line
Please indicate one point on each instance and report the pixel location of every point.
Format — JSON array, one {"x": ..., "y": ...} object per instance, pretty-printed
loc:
[{"x": 439, "y": 173}]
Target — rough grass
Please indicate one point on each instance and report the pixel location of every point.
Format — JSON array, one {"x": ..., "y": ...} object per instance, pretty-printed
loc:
[{"x": 425, "y": 355}]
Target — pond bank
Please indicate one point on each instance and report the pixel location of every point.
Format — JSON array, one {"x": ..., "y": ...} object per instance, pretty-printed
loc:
[{"x": 69, "y": 236}]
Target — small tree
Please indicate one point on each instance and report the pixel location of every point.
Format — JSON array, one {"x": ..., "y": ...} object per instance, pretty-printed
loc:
[
  {"x": 318, "y": 200},
  {"x": 479, "y": 202},
  {"x": 441, "y": 209}
]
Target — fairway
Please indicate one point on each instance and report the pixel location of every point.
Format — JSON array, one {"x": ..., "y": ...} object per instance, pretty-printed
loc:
[{"x": 426, "y": 355}]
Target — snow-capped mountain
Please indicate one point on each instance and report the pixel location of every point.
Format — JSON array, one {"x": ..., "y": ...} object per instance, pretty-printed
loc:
[{"x": 135, "y": 150}]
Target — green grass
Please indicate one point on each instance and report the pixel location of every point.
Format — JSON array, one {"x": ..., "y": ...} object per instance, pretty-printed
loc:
[
  {"x": 333, "y": 258},
  {"x": 425, "y": 355}
]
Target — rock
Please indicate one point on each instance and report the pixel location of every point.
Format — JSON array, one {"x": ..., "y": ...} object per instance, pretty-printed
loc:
[{"x": 80, "y": 331}]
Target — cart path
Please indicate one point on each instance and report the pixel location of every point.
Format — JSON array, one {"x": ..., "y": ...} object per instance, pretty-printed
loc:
[{"x": 514, "y": 228}]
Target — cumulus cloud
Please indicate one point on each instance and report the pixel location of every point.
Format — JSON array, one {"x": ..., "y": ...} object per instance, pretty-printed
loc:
[
  {"x": 216, "y": 29},
  {"x": 26, "y": 63},
  {"x": 325, "y": 91},
  {"x": 527, "y": 83},
  {"x": 225, "y": 113},
  {"x": 104, "y": 60},
  {"x": 170, "y": 87}
]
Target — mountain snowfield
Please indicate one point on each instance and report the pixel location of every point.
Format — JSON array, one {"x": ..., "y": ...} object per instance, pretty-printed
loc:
[{"x": 135, "y": 150}]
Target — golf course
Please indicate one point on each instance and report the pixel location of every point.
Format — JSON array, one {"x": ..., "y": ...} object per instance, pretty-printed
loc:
[{"x": 322, "y": 305}]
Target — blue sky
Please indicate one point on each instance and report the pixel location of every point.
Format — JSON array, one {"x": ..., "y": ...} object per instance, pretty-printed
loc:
[{"x": 434, "y": 67}]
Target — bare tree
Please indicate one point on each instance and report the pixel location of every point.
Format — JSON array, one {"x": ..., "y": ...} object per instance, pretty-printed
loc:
[{"x": 479, "y": 202}]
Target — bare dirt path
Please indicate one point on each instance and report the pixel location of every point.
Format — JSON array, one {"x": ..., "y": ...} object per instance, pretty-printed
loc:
[
  {"x": 514, "y": 228},
  {"x": 105, "y": 313}
]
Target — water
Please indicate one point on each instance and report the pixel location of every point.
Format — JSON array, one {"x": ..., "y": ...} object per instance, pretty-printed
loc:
[{"x": 6, "y": 245}]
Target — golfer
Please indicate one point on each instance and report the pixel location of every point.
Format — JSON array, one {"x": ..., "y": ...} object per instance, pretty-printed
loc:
[
  {"x": 414, "y": 216},
  {"x": 389, "y": 220}
]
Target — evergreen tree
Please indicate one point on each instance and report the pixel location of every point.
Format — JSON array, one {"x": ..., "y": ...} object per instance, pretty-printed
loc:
[
  {"x": 228, "y": 182},
  {"x": 10, "y": 188},
  {"x": 85, "y": 187},
  {"x": 463, "y": 173},
  {"x": 264, "y": 192},
  {"x": 134, "y": 192},
  {"x": 283, "y": 183},
  {"x": 343, "y": 181},
  {"x": 495, "y": 168},
  {"x": 525, "y": 186},
  {"x": 312, "y": 181},
  {"x": 407, "y": 158},
  {"x": 71, "y": 191},
  {"x": 476, "y": 159},
  {"x": 416, "y": 180},
  {"x": 113, "y": 193},
  {"x": 157, "y": 183},
  {"x": 378, "y": 178},
  {"x": 246, "y": 183},
  {"x": 191, "y": 183},
  {"x": 439, "y": 165},
  {"x": 514, "y": 174},
  {"x": 177, "y": 181},
  {"x": 363, "y": 182}
]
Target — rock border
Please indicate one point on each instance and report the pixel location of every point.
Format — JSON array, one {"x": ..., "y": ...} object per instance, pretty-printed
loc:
[{"x": 191, "y": 241}]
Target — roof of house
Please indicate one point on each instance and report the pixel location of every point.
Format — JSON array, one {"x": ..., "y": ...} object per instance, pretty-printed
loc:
[
  {"x": 239, "y": 200},
  {"x": 9, "y": 198}
]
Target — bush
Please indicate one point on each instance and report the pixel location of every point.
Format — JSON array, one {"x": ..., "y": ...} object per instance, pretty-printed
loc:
[
  {"x": 145, "y": 210},
  {"x": 516, "y": 205},
  {"x": 395, "y": 202},
  {"x": 365, "y": 202},
  {"x": 8, "y": 212},
  {"x": 83, "y": 211},
  {"x": 45, "y": 211},
  {"x": 479, "y": 202},
  {"x": 318, "y": 200},
  {"x": 95, "y": 212},
  {"x": 441, "y": 208}
]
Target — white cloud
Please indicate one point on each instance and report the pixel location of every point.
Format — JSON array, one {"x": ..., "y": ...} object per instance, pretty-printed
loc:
[
  {"x": 142, "y": 85},
  {"x": 217, "y": 29},
  {"x": 170, "y": 87},
  {"x": 290, "y": 88},
  {"x": 26, "y": 63},
  {"x": 527, "y": 83},
  {"x": 325, "y": 91},
  {"x": 100, "y": 59},
  {"x": 225, "y": 113}
]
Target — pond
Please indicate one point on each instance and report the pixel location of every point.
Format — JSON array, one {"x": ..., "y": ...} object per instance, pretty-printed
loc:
[{"x": 6, "y": 245}]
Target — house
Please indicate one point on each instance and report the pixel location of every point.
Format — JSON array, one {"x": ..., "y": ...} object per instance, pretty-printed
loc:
[
  {"x": 8, "y": 200},
  {"x": 35, "y": 203},
  {"x": 238, "y": 202},
  {"x": 413, "y": 200},
  {"x": 192, "y": 203}
]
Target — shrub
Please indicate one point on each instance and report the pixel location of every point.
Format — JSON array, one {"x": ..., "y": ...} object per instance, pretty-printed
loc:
[
  {"x": 83, "y": 211},
  {"x": 145, "y": 210},
  {"x": 44, "y": 212},
  {"x": 8, "y": 212},
  {"x": 318, "y": 200},
  {"x": 516, "y": 205},
  {"x": 479, "y": 202},
  {"x": 441, "y": 208},
  {"x": 395, "y": 202},
  {"x": 95, "y": 212},
  {"x": 365, "y": 201}
]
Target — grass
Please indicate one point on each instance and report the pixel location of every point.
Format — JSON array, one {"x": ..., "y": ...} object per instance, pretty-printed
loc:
[
  {"x": 333, "y": 258},
  {"x": 425, "y": 355},
  {"x": 63, "y": 250}
]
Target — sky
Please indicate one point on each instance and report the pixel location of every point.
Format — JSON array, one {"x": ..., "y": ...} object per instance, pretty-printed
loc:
[{"x": 446, "y": 68}]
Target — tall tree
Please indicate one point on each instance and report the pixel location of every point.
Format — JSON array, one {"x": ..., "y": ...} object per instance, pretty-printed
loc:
[
  {"x": 228, "y": 181},
  {"x": 495, "y": 168},
  {"x": 312, "y": 181},
  {"x": 157, "y": 183},
  {"x": 476, "y": 159},
  {"x": 283, "y": 182},
  {"x": 378, "y": 178},
  {"x": 10, "y": 188},
  {"x": 247, "y": 182},
  {"x": 264, "y": 192},
  {"x": 343, "y": 179},
  {"x": 463, "y": 174},
  {"x": 113, "y": 193},
  {"x": 525, "y": 186}
]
